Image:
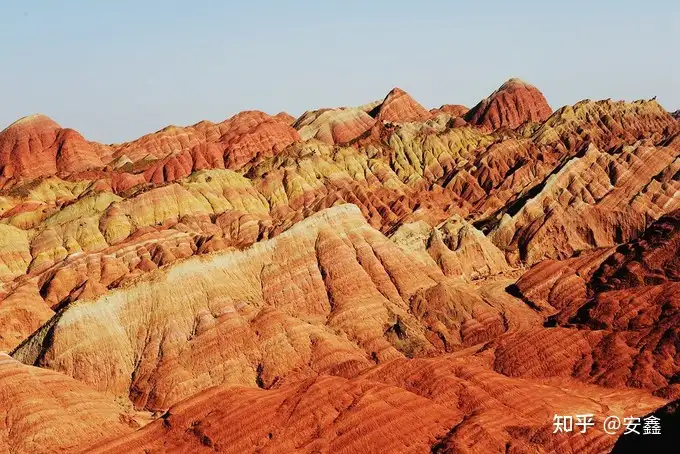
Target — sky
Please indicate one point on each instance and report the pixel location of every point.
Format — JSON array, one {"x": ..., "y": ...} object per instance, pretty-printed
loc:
[{"x": 117, "y": 70}]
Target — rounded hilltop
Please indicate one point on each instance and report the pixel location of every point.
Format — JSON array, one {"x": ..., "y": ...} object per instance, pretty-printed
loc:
[{"x": 511, "y": 105}]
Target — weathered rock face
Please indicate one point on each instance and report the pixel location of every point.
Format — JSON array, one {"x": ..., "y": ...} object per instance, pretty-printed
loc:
[
  {"x": 360, "y": 263},
  {"x": 676, "y": 114},
  {"x": 594, "y": 199},
  {"x": 45, "y": 412},
  {"x": 512, "y": 105},
  {"x": 245, "y": 138},
  {"x": 457, "y": 247}
]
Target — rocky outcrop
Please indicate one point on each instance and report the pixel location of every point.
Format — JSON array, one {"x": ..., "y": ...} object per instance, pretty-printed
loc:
[
  {"x": 456, "y": 246},
  {"x": 512, "y": 105},
  {"x": 245, "y": 138},
  {"x": 595, "y": 199}
]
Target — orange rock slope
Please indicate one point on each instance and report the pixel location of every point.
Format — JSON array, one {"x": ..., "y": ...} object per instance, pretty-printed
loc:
[{"x": 359, "y": 279}]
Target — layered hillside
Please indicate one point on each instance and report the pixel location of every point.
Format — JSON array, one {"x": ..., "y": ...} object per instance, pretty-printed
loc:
[
  {"x": 631, "y": 292},
  {"x": 386, "y": 277},
  {"x": 513, "y": 104},
  {"x": 44, "y": 411}
]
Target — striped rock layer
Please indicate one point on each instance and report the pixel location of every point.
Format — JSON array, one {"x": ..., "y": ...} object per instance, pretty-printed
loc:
[{"x": 359, "y": 279}]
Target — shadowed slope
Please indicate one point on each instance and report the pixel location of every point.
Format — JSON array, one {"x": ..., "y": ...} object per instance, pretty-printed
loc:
[{"x": 631, "y": 293}]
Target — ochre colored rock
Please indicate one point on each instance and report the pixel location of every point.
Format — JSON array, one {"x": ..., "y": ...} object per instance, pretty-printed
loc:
[
  {"x": 334, "y": 126},
  {"x": 628, "y": 297},
  {"x": 14, "y": 252},
  {"x": 21, "y": 313},
  {"x": 244, "y": 138},
  {"x": 285, "y": 117},
  {"x": 595, "y": 199},
  {"x": 457, "y": 247},
  {"x": 286, "y": 300},
  {"x": 175, "y": 167}
]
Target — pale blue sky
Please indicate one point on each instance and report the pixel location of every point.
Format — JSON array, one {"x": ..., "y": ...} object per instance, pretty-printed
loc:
[{"x": 117, "y": 70}]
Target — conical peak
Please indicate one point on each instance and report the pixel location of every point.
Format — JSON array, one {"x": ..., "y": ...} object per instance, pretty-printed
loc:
[
  {"x": 512, "y": 104},
  {"x": 514, "y": 82},
  {"x": 400, "y": 107},
  {"x": 396, "y": 91}
]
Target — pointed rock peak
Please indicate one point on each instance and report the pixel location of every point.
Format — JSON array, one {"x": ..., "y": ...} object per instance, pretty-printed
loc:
[
  {"x": 399, "y": 107},
  {"x": 511, "y": 105},
  {"x": 396, "y": 91}
]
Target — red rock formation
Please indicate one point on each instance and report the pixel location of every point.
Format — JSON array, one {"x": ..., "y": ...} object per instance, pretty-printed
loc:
[
  {"x": 455, "y": 110},
  {"x": 330, "y": 273},
  {"x": 513, "y": 104},
  {"x": 595, "y": 199},
  {"x": 426, "y": 405},
  {"x": 244, "y": 138},
  {"x": 628, "y": 297},
  {"x": 399, "y": 107},
  {"x": 253, "y": 136},
  {"x": 45, "y": 412},
  {"x": 36, "y": 146},
  {"x": 175, "y": 167},
  {"x": 285, "y": 117},
  {"x": 228, "y": 254}
]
